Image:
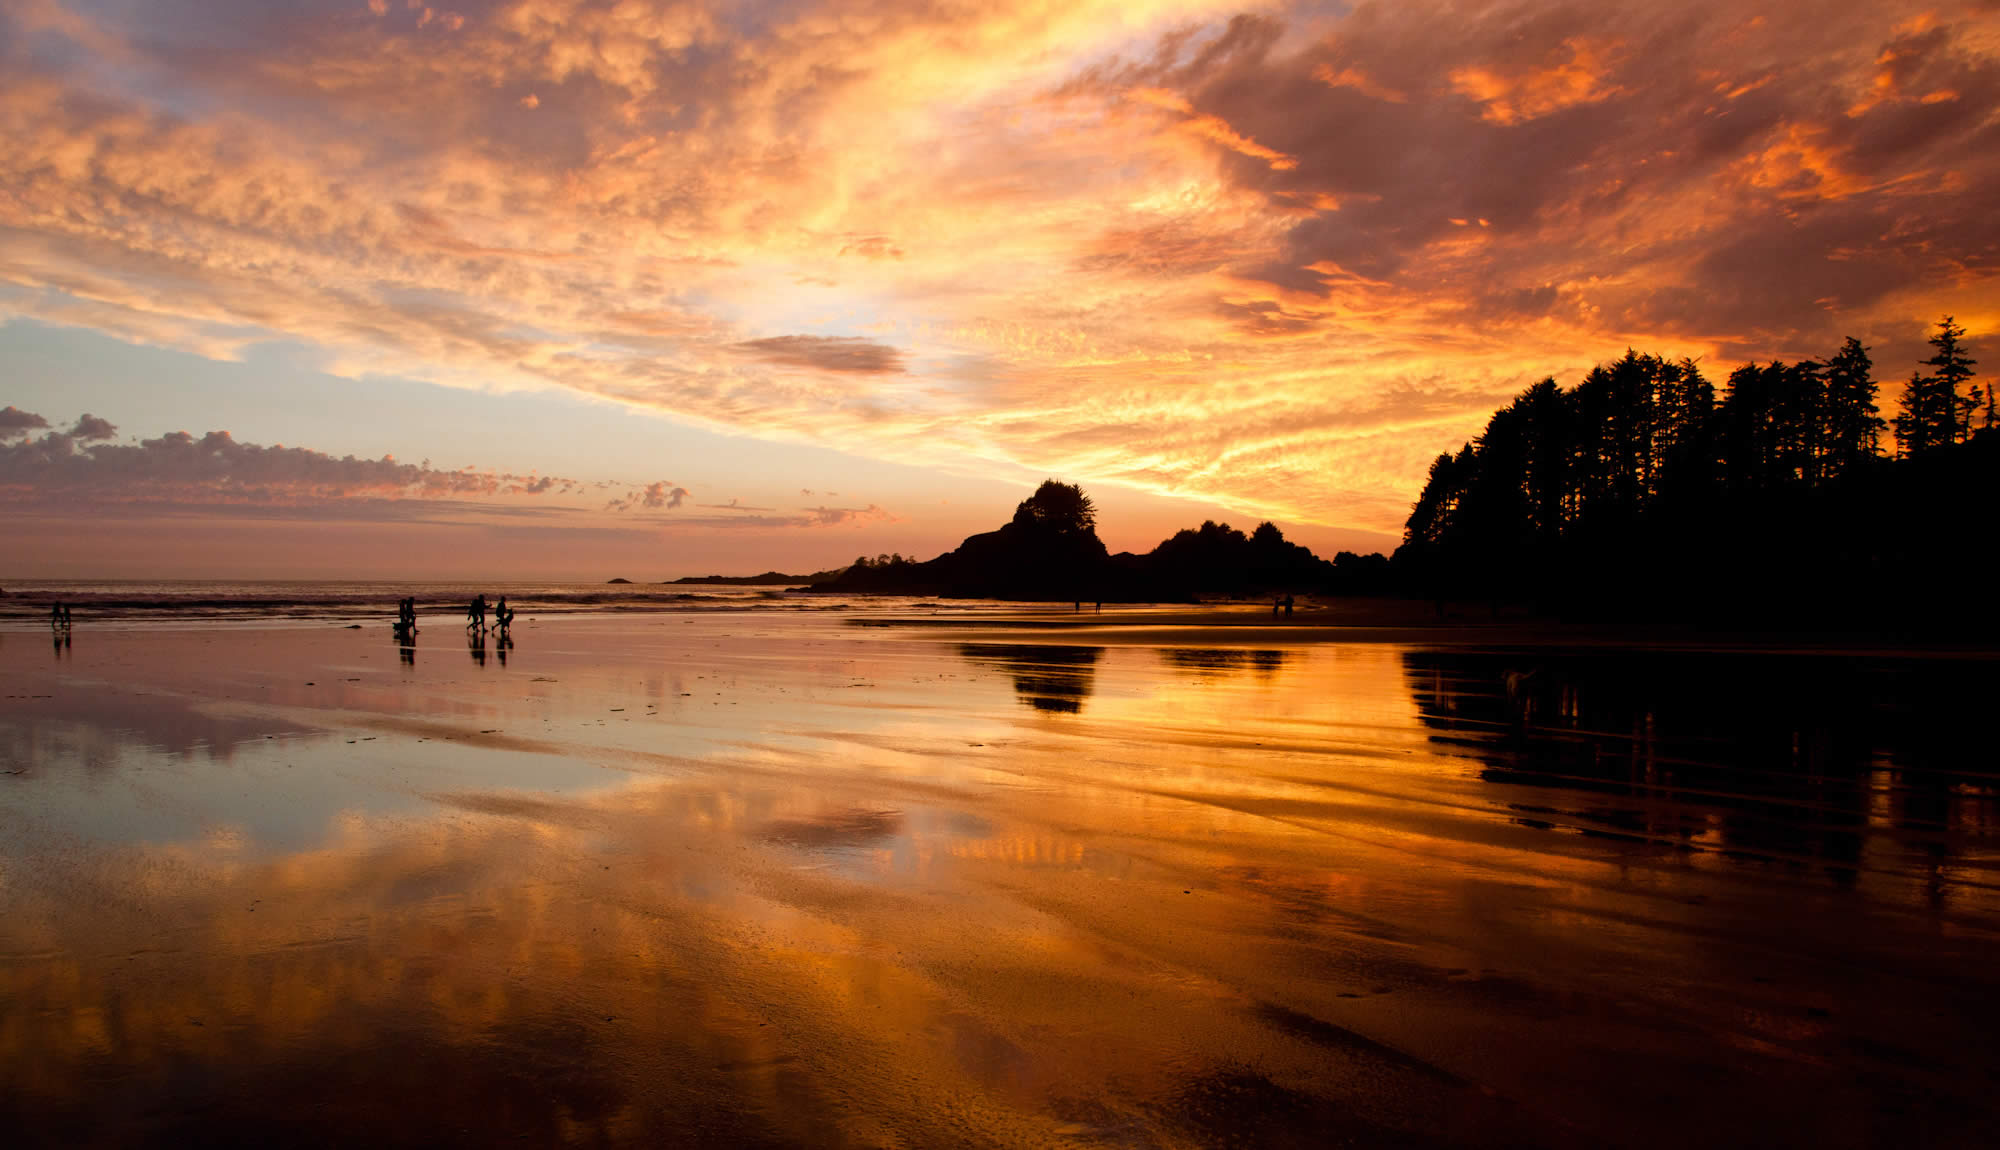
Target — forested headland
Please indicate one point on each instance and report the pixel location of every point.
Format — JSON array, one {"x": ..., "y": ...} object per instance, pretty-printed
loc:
[
  {"x": 1050, "y": 551},
  {"x": 1646, "y": 492}
]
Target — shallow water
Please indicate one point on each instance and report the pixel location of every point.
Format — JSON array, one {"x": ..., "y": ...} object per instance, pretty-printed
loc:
[
  {"x": 24, "y": 605},
  {"x": 760, "y": 879}
]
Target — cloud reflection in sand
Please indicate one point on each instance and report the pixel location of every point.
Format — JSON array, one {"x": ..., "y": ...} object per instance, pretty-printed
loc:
[{"x": 777, "y": 882}]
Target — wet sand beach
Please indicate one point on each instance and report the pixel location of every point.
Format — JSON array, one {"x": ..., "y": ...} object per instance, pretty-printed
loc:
[{"x": 743, "y": 879}]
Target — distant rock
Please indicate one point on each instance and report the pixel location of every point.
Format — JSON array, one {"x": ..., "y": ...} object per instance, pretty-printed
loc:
[
  {"x": 608, "y": 581},
  {"x": 767, "y": 579}
]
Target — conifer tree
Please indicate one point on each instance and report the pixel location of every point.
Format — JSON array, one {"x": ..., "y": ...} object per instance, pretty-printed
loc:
[
  {"x": 1954, "y": 367},
  {"x": 1934, "y": 413},
  {"x": 1853, "y": 424},
  {"x": 1920, "y": 426}
]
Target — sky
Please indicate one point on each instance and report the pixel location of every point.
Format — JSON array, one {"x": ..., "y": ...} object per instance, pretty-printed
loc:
[{"x": 569, "y": 289}]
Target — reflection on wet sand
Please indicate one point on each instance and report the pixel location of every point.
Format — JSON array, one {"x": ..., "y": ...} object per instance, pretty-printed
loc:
[
  {"x": 1843, "y": 765},
  {"x": 697, "y": 883},
  {"x": 1048, "y": 678},
  {"x": 1222, "y": 660}
]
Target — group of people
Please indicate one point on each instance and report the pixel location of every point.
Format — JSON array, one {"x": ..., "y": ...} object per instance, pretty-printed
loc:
[
  {"x": 59, "y": 627},
  {"x": 1282, "y": 605},
  {"x": 475, "y": 614},
  {"x": 406, "y": 617}
]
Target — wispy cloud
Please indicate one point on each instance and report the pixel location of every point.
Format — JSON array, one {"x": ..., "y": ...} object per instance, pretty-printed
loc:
[{"x": 805, "y": 517}]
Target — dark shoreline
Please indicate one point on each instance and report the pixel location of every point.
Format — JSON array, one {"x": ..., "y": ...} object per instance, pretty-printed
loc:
[{"x": 1417, "y": 622}]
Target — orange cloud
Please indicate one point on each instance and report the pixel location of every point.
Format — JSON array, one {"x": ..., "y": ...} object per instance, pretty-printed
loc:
[
  {"x": 1351, "y": 77},
  {"x": 1575, "y": 74}
]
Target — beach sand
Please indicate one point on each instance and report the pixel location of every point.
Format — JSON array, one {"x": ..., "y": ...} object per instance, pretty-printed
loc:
[{"x": 743, "y": 879}]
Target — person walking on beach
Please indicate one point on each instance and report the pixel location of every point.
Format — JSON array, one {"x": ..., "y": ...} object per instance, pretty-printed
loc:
[
  {"x": 503, "y": 615},
  {"x": 475, "y": 614}
]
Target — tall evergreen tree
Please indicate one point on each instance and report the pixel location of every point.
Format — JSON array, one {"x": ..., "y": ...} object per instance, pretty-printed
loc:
[
  {"x": 1546, "y": 414},
  {"x": 1684, "y": 435},
  {"x": 1924, "y": 424},
  {"x": 1751, "y": 438},
  {"x": 1953, "y": 368},
  {"x": 1431, "y": 517},
  {"x": 1798, "y": 422},
  {"x": 1853, "y": 423}
]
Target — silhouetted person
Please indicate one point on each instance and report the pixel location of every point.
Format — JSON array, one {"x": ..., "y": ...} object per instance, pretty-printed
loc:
[
  {"x": 55, "y": 617},
  {"x": 406, "y": 617},
  {"x": 475, "y": 614},
  {"x": 1277, "y": 605},
  {"x": 503, "y": 615},
  {"x": 1288, "y": 606}
]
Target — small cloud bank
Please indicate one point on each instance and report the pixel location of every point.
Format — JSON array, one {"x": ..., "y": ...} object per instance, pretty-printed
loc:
[
  {"x": 15, "y": 422},
  {"x": 82, "y": 465},
  {"x": 662, "y": 496},
  {"x": 51, "y": 475}
]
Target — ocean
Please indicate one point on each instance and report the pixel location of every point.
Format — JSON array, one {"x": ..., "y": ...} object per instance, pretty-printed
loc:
[{"x": 26, "y": 603}]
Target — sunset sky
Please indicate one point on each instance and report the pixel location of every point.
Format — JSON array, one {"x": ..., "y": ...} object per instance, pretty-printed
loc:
[{"x": 650, "y": 289}]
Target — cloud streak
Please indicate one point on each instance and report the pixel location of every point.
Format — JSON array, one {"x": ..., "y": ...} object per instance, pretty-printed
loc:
[{"x": 825, "y": 353}]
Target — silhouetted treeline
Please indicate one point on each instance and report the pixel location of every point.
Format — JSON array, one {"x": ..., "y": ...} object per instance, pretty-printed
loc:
[
  {"x": 1050, "y": 551},
  {"x": 1644, "y": 491}
]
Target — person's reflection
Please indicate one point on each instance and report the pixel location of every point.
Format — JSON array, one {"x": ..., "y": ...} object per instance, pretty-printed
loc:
[
  {"x": 503, "y": 644},
  {"x": 1046, "y": 678},
  {"x": 475, "y": 641},
  {"x": 62, "y": 643}
]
